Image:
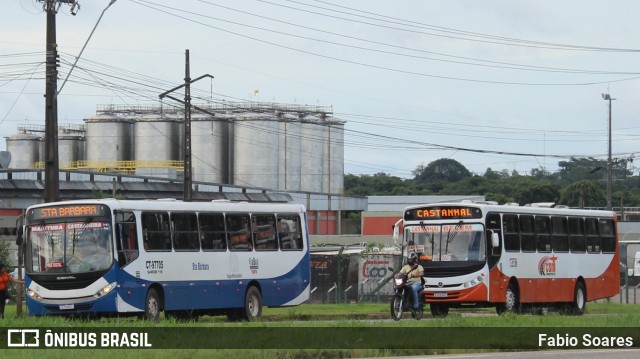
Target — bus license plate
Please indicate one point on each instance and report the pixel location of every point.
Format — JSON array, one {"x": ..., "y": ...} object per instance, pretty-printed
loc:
[
  {"x": 66, "y": 307},
  {"x": 440, "y": 294}
]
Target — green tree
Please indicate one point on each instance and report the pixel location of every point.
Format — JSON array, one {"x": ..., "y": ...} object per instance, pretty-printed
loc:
[
  {"x": 495, "y": 175},
  {"x": 5, "y": 255},
  {"x": 578, "y": 169},
  {"x": 378, "y": 184},
  {"x": 584, "y": 193},
  {"x": 446, "y": 177},
  {"x": 444, "y": 169}
]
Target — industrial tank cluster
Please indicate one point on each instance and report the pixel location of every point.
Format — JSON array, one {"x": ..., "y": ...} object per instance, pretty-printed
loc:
[{"x": 273, "y": 146}]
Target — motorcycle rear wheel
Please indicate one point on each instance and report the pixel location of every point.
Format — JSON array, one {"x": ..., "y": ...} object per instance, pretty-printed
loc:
[{"x": 396, "y": 307}]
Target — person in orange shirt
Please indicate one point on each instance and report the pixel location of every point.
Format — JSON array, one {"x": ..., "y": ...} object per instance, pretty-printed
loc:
[{"x": 5, "y": 278}]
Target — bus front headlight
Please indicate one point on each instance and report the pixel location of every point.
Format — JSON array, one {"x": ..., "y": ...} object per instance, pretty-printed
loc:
[
  {"x": 105, "y": 290},
  {"x": 33, "y": 295},
  {"x": 474, "y": 282}
]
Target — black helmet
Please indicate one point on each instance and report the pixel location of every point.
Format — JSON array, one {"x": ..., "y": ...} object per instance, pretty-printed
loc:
[{"x": 412, "y": 258}]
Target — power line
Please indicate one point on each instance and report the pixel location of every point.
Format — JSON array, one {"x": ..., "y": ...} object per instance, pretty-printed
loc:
[{"x": 359, "y": 63}]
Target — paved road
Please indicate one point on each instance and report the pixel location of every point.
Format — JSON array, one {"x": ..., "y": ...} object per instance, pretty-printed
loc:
[{"x": 547, "y": 354}]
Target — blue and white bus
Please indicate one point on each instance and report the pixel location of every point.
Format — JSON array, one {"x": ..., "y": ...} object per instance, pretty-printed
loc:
[{"x": 120, "y": 257}]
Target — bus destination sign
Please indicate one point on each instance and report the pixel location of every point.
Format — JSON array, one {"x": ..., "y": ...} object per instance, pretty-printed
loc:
[
  {"x": 442, "y": 212},
  {"x": 63, "y": 211}
]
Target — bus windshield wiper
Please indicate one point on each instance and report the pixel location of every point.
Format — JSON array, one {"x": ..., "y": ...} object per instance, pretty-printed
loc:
[
  {"x": 451, "y": 235},
  {"x": 430, "y": 238}
]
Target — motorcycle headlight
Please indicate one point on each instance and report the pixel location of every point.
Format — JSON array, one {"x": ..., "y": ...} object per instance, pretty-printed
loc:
[{"x": 398, "y": 281}]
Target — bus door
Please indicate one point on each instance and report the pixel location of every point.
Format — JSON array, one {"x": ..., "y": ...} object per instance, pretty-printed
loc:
[{"x": 126, "y": 238}]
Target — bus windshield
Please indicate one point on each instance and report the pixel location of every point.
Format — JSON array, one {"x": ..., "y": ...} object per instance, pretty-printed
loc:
[
  {"x": 446, "y": 243},
  {"x": 71, "y": 247}
]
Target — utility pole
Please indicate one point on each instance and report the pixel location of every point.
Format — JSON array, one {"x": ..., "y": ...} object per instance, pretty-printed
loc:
[
  {"x": 187, "y": 191},
  {"x": 187, "y": 131},
  {"x": 51, "y": 165},
  {"x": 608, "y": 97}
]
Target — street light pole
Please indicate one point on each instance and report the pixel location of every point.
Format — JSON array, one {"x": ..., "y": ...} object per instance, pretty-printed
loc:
[{"x": 608, "y": 97}]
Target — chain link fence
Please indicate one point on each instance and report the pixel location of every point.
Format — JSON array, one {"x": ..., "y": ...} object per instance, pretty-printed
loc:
[{"x": 350, "y": 277}]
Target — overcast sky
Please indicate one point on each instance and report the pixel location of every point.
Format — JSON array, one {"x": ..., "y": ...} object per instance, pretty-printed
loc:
[{"x": 503, "y": 84}]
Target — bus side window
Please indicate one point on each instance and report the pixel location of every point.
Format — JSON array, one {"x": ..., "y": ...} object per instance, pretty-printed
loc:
[
  {"x": 607, "y": 236},
  {"x": 126, "y": 238},
  {"x": 289, "y": 233},
  {"x": 156, "y": 226},
  {"x": 577, "y": 242},
  {"x": 559, "y": 234},
  {"x": 543, "y": 239},
  {"x": 239, "y": 232},
  {"x": 265, "y": 232},
  {"x": 212, "y": 235},
  {"x": 185, "y": 231},
  {"x": 511, "y": 233},
  {"x": 527, "y": 235},
  {"x": 593, "y": 237}
]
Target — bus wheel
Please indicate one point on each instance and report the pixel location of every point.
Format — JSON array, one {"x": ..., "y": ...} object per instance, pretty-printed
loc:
[
  {"x": 253, "y": 305},
  {"x": 439, "y": 310},
  {"x": 511, "y": 303},
  {"x": 579, "y": 300},
  {"x": 152, "y": 306}
]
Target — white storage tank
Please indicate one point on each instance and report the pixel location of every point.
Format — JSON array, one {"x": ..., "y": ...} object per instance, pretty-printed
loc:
[
  {"x": 157, "y": 142},
  {"x": 334, "y": 159},
  {"x": 24, "y": 148},
  {"x": 255, "y": 150},
  {"x": 210, "y": 148},
  {"x": 312, "y": 150},
  {"x": 289, "y": 152},
  {"x": 108, "y": 139},
  {"x": 70, "y": 149}
]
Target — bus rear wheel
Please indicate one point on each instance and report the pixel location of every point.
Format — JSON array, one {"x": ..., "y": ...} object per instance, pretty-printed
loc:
[
  {"x": 579, "y": 300},
  {"x": 152, "y": 306},
  {"x": 252, "y": 305}
]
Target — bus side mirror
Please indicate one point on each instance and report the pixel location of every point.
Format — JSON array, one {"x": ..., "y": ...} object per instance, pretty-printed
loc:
[
  {"x": 495, "y": 240},
  {"x": 396, "y": 231},
  {"x": 630, "y": 272}
]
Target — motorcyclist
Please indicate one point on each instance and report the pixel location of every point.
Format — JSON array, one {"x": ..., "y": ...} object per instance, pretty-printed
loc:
[{"x": 414, "y": 272}]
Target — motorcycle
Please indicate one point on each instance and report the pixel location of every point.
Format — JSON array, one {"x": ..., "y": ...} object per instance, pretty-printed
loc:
[{"x": 402, "y": 301}]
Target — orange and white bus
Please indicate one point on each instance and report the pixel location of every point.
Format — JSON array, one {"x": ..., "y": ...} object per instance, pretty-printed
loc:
[{"x": 512, "y": 257}]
